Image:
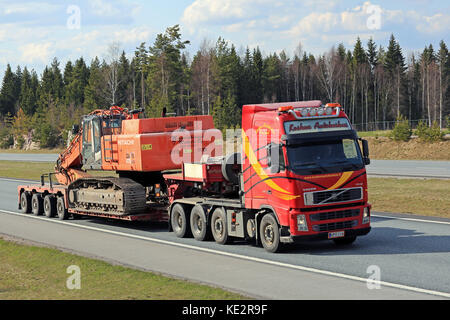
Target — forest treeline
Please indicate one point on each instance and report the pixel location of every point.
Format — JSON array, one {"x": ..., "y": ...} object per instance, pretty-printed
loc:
[{"x": 375, "y": 85}]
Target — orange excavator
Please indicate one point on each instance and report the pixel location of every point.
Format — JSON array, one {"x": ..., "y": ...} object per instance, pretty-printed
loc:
[{"x": 130, "y": 151}]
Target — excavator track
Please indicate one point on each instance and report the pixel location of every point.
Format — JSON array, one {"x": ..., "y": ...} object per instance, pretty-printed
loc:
[{"x": 114, "y": 196}]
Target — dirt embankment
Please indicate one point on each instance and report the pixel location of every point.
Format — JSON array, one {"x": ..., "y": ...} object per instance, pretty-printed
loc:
[{"x": 383, "y": 148}]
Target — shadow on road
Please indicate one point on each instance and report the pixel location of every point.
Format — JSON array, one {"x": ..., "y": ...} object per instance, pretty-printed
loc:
[{"x": 380, "y": 241}]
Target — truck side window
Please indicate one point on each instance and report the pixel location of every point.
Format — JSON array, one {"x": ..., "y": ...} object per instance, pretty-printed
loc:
[
  {"x": 349, "y": 149},
  {"x": 282, "y": 160}
]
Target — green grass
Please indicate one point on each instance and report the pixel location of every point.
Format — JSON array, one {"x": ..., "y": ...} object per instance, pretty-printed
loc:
[
  {"x": 416, "y": 196},
  {"x": 380, "y": 133},
  {"x": 40, "y": 151},
  {"x": 25, "y": 170},
  {"x": 31, "y": 273},
  {"x": 34, "y": 170}
]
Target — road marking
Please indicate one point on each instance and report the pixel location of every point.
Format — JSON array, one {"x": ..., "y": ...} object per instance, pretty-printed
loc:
[
  {"x": 410, "y": 219},
  {"x": 21, "y": 181},
  {"x": 238, "y": 256}
]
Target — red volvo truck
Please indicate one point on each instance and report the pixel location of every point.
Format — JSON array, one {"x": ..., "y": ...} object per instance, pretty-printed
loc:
[{"x": 300, "y": 175}]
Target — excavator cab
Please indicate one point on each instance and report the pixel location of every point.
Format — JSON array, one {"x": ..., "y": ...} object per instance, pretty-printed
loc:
[{"x": 92, "y": 139}]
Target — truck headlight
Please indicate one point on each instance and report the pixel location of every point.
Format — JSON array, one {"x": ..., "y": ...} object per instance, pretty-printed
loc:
[
  {"x": 366, "y": 216},
  {"x": 302, "y": 225}
]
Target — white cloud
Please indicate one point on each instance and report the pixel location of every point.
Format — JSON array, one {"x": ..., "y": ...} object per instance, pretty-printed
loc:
[
  {"x": 435, "y": 24},
  {"x": 221, "y": 11},
  {"x": 36, "y": 52},
  {"x": 103, "y": 8},
  {"x": 133, "y": 35}
]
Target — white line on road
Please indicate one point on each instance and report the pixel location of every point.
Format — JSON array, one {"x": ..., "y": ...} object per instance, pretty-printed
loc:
[
  {"x": 410, "y": 219},
  {"x": 238, "y": 256},
  {"x": 17, "y": 180}
]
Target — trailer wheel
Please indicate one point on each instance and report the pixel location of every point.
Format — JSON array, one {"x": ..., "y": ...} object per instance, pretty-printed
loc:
[
  {"x": 269, "y": 233},
  {"x": 25, "y": 202},
  {"x": 37, "y": 204},
  {"x": 199, "y": 224},
  {"x": 179, "y": 220},
  {"x": 61, "y": 209},
  {"x": 219, "y": 226},
  {"x": 49, "y": 206}
]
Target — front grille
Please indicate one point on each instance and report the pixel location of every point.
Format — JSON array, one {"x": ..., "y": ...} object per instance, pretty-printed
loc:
[
  {"x": 335, "y": 215},
  {"x": 333, "y": 196},
  {"x": 335, "y": 226}
]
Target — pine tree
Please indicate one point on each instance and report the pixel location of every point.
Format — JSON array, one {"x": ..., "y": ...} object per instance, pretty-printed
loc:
[{"x": 8, "y": 92}]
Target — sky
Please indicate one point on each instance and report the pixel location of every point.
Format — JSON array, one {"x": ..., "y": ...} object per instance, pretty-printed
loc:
[{"x": 32, "y": 33}]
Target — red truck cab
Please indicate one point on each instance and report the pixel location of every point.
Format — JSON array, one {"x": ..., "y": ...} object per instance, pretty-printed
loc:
[{"x": 303, "y": 163}]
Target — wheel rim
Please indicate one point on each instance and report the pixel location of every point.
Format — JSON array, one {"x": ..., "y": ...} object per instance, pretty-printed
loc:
[
  {"x": 60, "y": 209},
  {"x": 218, "y": 227},
  {"x": 269, "y": 234},
  {"x": 178, "y": 219},
  {"x": 198, "y": 224}
]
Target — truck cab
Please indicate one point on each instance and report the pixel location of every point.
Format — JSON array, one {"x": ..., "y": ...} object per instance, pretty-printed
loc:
[{"x": 304, "y": 165}]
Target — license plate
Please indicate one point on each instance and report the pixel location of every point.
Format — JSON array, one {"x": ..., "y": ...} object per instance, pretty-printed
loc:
[{"x": 334, "y": 235}]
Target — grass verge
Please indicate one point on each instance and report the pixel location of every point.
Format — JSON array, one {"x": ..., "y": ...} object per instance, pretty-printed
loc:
[
  {"x": 416, "y": 196},
  {"x": 36, "y": 273},
  {"x": 44, "y": 151},
  {"x": 25, "y": 170},
  {"x": 34, "y": 170}
]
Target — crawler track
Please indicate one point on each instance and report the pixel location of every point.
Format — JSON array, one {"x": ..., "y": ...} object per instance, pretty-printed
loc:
[{"x": 115, "y": 196}]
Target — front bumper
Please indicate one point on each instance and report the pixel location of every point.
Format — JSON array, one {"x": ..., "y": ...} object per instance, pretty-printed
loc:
[{"x": 324, "y": 235}]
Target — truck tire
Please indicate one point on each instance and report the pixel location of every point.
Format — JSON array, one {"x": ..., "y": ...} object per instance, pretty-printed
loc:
[
  {"x": 37, "y": 204},
  {"x": 25, "y": 202},
  {"x": 269, "y": 233},
  {"x": 49, "y": 206},
  {"x": 345, "y": 241},
  {"x": 199, "y": 224},
  {"x": 61, "y": 209},
  {"x": 219, "y": 226},
  {"x": 179, "y": 220}
]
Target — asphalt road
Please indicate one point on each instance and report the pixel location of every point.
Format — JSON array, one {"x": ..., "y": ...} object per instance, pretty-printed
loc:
[
  {"x": 411, "y": 254},
  {"x": 387, "y": 168},
  {"x": 29, "y": 157},
  {"x": 409, "y": 168}
]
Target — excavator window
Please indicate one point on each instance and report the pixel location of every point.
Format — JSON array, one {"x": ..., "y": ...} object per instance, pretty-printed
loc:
[
  {"x": 87, "y": 133},
  {"x": 112, "y": 126},
  {"x": 92, "y": 149}
]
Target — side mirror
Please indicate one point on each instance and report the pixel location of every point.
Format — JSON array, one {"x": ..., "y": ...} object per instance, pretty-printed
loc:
[
  {"x": 273, "y": 153},
  {"x": 75, "y": 129},
  {"x": 366, "y": 153}
]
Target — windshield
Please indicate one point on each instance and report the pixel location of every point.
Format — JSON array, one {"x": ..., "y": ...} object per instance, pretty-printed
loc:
[{"x": 329, "y": 156}]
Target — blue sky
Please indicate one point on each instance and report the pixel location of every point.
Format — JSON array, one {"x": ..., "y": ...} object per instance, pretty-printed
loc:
[{"x": 33, "y": 32}]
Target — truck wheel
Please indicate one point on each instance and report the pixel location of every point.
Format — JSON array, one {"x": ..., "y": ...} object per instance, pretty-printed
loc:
[
  {"x": 345, "y": 241},
  {"x": 37, "y": 204},
  {"x": 199, "y": 223},
  {"x": 179, "y": 221},
  {"x": 49, "y": 206},
  {"x": 25, "y": 202},
  {"x": 219, "y": 226},
  {"x": 269, "y": 233},
  {"x": 61, "y": 209}
]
